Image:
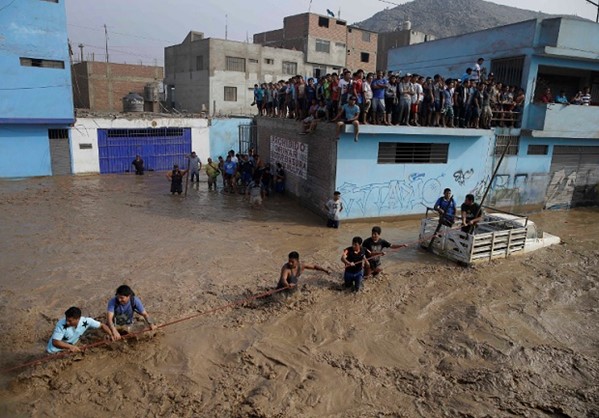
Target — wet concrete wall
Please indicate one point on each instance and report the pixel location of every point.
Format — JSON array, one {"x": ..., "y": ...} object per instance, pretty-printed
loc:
[
  {"x": 309, "y": 160},
  {"x": 24, "y": 151},
  {"x": 224, "y": 135}
]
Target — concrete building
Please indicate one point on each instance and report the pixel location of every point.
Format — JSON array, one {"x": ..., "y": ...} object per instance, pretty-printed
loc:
[
  {"x": 329, "y": 44},
  {"x": 556, "y": 151},
  {"x": 551, "y": 162},
  {"x": 101, "y": 86},
  {"x": 403, "y": 36},
  {"x": 217, "y": 76},
  {"x": 36, "y": 104},
  {"x": 102, "y": 145}
]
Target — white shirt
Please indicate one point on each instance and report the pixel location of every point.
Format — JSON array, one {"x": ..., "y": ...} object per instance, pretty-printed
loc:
[{"x": 418, "y": 93}]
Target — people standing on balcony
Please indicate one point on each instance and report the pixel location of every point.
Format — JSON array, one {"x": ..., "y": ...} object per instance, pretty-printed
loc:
[
  {"x": 478, "y": 71},
  {"x": 391, "y": 100},
  {"x": 335, "y": 93},
  {"x": 367, "y": 92},
  {"x": 447, "y": 111},
  {"x": 586, "y": 97},
  {"x": 547, "y": 97},
  {"x": 416, "y": 99},
  {"x": 437, "y": 99},
  {"x": 405, "y": 93},
  {"x": 379, "y": 84},
  {"x": 561, "y": 98}
]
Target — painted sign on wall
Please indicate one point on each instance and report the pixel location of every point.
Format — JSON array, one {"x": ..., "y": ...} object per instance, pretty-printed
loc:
[{"x": 292, "y": 154}]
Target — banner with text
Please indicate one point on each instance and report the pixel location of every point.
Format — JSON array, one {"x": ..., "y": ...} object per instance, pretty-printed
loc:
[{"x": 292, "y": 154}]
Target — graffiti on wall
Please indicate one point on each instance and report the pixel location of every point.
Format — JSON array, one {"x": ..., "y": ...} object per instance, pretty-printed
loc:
[
  {"x": 292, "y": 154},
  {"x": 461, "y": 176},
  {"x": 390, "y": 197},
  {"x": 560, "y": 190},
  {"x": 507, "y": 190}
]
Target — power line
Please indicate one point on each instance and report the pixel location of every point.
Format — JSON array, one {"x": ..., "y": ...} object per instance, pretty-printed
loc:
[{"x": 122, "y": 33}]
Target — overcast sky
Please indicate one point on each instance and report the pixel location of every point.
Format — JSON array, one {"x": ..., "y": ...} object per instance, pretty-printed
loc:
[{"x": 138, "y": 30}]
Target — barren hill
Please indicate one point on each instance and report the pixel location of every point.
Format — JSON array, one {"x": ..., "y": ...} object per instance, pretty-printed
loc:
[{"x": 444, "y": 18}]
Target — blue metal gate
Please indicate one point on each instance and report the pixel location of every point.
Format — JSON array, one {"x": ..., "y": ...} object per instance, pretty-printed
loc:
[{"x": 159, "y": 148}]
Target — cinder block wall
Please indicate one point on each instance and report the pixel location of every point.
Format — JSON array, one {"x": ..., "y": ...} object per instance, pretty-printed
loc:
[{"x": 319, "y": 186}]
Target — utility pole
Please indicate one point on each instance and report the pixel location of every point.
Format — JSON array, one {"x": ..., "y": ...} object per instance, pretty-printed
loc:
[
  {"x": 226, "y": 26},
  {"x": 106, "y": 38},
  {"x": 597, "y": 6},
  {"x": 81, "y": 52}
]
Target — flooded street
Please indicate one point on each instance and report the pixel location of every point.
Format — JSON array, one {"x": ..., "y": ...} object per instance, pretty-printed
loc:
[{"x": 514, "y": 337}]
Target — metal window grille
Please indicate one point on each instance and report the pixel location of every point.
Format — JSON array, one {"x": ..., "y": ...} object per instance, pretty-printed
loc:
[
  {"x": 58, "y": 134},
  {"x": 416, "y": 152},
  {"x": 323, "y": 22},
  {"x": 501, "y": 141},
  {"x": 508, "y": 70},
  {"x": 269, "y": 61},
  {"x": 323, "y": 46},
  {"x": 235, "y": 64},
  {"x": 289, "y": 68},
  {"x": 366, "y": 36},
  {"x": 538, "y": 149},
  {"x": 42, "y": 63},
  {"x": 147, "y": 133},
  {"x": 199, "y": 63},
  {"x": 230, "y": 94},
  {"x": 364, "y": 57}
]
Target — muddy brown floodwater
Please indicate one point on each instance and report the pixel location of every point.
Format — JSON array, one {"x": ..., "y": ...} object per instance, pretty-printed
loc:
[{"x": 515, "y": 337}]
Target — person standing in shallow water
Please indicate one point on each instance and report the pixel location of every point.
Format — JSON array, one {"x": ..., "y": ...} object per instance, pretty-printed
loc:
[
  {"x": 292, "y": 270},
  {"x": 176, "y": 179},
  {"x": 138, "y": 163}
]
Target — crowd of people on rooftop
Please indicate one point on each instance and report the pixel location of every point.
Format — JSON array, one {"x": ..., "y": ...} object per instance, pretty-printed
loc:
[{"x": 473, "y": 100}]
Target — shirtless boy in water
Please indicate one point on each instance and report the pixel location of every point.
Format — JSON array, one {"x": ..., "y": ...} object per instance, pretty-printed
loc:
[{"x": 292, "y": 270}]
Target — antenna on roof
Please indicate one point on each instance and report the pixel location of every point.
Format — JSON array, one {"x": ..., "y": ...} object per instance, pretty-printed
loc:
[
  {"x": 226, "y": 25},
  {"x": 309, "y": 6},
  {"x": 597, "y": 6}
]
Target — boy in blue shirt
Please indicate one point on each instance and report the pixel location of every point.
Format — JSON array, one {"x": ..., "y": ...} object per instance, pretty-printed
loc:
[
  {"x": 69, "y": 329},
  {"x": 351, "y": 111}
]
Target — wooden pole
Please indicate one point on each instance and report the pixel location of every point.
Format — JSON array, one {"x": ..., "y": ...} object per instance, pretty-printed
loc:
[{"x": 187, "y": 175}]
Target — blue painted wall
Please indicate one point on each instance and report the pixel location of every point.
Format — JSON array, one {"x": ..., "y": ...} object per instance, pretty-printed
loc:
[
  {"x": 24, "y": 151},
  {"x": 224, "y": 135},
  {"x": 369, "y": 189},
  {"x": 34, "y": 29}
]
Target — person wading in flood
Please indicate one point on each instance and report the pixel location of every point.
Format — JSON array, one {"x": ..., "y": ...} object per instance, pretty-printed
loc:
[
  {"x": 121, "y": 309},
  {"x": 292, "y": 270},
  {"x": 176, "y": 179}
]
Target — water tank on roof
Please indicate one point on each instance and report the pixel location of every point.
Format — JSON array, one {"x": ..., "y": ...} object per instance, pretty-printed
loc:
[
  {"x": 151, "y": 92},
  {"x": 407, "y": 25},
  {"x": 133, "y": 102}
]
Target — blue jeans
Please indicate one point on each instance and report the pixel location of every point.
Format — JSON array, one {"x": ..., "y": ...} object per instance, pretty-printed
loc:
[{"x": 353, "y": 280}]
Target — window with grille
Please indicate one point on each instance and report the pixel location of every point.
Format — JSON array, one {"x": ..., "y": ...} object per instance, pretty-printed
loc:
[
  {"x": 253, "y": 61},
  {"x": 366, "y": 36},
  {"x": 146, "y": 133},
  {"x": 508, "y": 70},
  {"x": 235, "y": 64},
  {"x": 38, "y": 62},
  {"x": 323, "y": 46},
  {"x": 58, "y": 134},
  {"x": 199, "y": 63},
  {"x": 269, "y": 61},
  {"x": 502, "y": 141},
  {"x": 289, "y": 68},
  {"x": 230, "y": 94},
  {"x": 415, "y": 152},
  {"x": 364, "y": 57},
  {"x": 538, "y": 149},
  {"x": 323, "y": 22}
]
